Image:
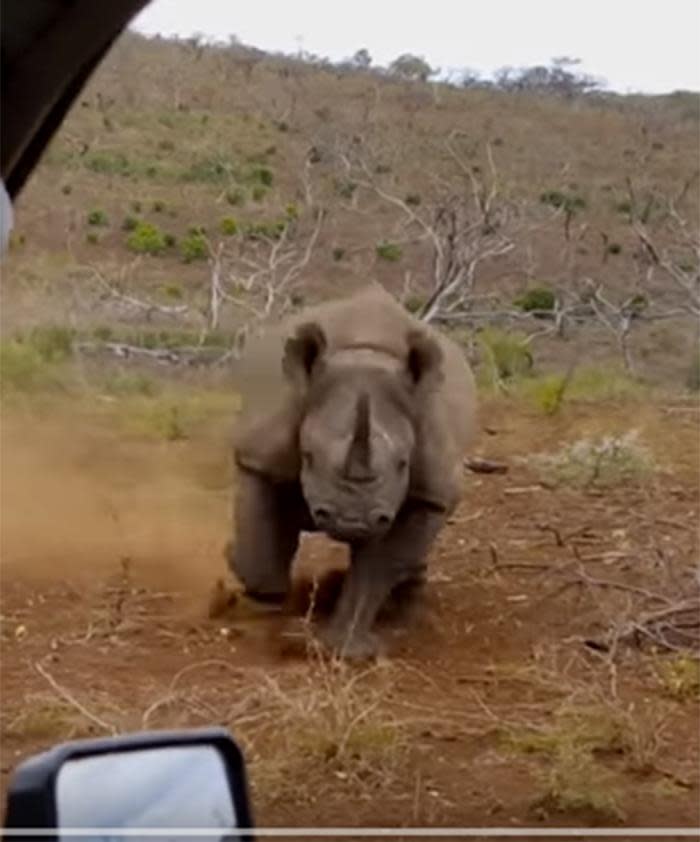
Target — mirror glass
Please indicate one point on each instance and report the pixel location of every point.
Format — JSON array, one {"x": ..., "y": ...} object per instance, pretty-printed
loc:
[{"x": 166, "y": 787}]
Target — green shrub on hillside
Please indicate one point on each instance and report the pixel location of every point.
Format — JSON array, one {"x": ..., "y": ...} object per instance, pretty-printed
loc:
[
  {"x": 389, "y": 251},
  {"x": 507, "y": 355},
  {"x": 130, "y": 222},
  {"x": 228, "y": 226},
  {"x": 236, "y": 196},
  {"x": 536, "y": 299},
  {"x": 194, "y": 246},
  {"x": 97, "y": 217},
  {"x": 146, "y": 238}
]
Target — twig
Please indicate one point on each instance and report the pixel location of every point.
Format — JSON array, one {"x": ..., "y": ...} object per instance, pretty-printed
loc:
[{"x": 68, "y": 697}]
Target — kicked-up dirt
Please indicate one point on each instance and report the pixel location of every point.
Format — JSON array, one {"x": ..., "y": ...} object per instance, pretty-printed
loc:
[{"x": 548, "y": 677}]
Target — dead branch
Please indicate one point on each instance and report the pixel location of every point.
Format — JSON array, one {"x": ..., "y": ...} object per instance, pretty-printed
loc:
[
  {"x": 485, "y": 466},
  {"x": 114, "y": 291},
  {"x": 70, "y": 698}
]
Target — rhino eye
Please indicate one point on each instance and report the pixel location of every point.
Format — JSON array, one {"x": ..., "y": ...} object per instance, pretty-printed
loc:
[
  {"x": 402, "y": 464},
  {"x": 307, "y": 458}
]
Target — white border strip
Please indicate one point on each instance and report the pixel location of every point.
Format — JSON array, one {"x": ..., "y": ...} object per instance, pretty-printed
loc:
[{"x": 367, "y": 832}]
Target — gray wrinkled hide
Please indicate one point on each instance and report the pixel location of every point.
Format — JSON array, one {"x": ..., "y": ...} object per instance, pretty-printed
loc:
[{"x": 368, "y": 337}]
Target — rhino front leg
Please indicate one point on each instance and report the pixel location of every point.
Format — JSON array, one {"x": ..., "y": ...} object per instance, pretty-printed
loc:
[
  {"x": 376, "y": 569},
  {"x": 268, "y": 519}
]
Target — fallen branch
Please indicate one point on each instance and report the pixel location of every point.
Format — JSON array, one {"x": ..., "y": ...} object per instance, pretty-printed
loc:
[
  {"x": 485, "y": 466},
  {"x": 68, "y": 697}
]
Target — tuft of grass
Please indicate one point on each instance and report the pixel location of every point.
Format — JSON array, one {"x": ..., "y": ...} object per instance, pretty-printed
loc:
[
  {"x": 210, "y": 170},
  {"x": 692, "y": 378},
  {"x": 48, "y": 719},
  {"x": 602, "y": 463},
  {"x": 506, "y": 355},
  {"x": 128, "y": 383},
  {"x": 228, "y": 226},
  {"x": 539, "y": 298},
  {"x": 22, "y": 367},
  {"x": 98, "y": 218},
  {"x": 546, "y": 393},
  {"x": 235, "y": 197},
  {"x": 391, "y": 252},
  {"x": 680, "y": 677},
  {"x": 329, "y": 725},
  {"x": 575, "y": 783}
]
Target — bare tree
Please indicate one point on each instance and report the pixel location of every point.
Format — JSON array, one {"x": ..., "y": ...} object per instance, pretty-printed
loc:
[{"x": 464, "y": 228}]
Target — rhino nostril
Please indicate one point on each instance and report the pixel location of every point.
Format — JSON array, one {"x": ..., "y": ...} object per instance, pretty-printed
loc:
[
  {"x": 321, "y": 515},
  {"x": 383, "y": 520}
]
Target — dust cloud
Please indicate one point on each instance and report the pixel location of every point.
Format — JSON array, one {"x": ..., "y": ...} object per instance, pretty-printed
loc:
[{"x": 76, "y": 499}]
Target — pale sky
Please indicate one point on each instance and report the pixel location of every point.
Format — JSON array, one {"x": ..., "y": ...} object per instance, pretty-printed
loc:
[{"x": 635, "y": 45}]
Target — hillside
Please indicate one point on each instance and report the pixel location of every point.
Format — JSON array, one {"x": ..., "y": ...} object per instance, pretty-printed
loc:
[
  {"x": 550, "y": 676},
  {"x": 179, "y": 153}
]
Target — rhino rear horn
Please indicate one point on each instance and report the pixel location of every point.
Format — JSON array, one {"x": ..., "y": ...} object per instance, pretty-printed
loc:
[{"x": 359, "y": 459}]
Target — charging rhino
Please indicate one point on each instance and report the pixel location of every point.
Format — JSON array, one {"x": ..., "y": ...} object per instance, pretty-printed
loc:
[{"x": 355, "y": 422}]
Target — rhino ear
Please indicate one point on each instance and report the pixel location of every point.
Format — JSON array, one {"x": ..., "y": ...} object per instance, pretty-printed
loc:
[
  {"x": 302, "y": 351},
  {"x": 424, "y": 360}
]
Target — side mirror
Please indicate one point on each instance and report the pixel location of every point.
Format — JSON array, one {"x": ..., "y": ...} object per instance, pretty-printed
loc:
[{"x": 170, "y": 779}]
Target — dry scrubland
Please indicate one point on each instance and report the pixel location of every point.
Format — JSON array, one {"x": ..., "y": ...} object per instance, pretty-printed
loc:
[{"x": 552, "y": 675}]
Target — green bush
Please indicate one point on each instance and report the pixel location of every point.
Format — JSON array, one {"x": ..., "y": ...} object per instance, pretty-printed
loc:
[
  {"x": 146, "y": 238},
  {"x": 692, "y": 380},
  {"x": 258, "y": 193},
  {"x": 123, "y": 384},
  {"x": 158, "y": 206},
  {"x": 291, "y": 211},
  {"x": 92, "y": 238},
  {"x": 569, "y": 202},
  {"x": 389, "y": 251},
  {"x": 507, "y": 355},
  {"x": 29, "y": 360},
  {"x": 173, "y": 290},
  {"x": 265, "y": 230},
  {"x": 193, "y": 246},
  {"x": 536, "y": 298},
  {"x": 262, "y": 175},
  {"x": 21, "y": 367},
  {"x": 129, "y": 223},
  {"x": 212, "y": 170},
  {"x": 414, "y": 303},
  {"x": 229, "y": 226},
  {"x": 98, "y": 218},
  {"x": 345, "y": 189},
  {"x": 235, "y": 197},
  {"x": 109, "y": 163},
  {"x": 170, "y": 240}
]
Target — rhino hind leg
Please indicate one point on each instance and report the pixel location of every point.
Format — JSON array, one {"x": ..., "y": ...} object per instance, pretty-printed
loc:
[
  {"x": 378, "y": 570},
  {"x": 268, "y": 521}
]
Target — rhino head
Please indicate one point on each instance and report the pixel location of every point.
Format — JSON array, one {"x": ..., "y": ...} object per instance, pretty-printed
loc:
[{"x": 358, "y": 430}]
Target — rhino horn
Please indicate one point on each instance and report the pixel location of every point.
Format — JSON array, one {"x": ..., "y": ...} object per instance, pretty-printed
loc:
[{"x": 359, "y": 458}]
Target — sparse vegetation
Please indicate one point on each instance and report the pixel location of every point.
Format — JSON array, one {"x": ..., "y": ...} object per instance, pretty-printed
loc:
[
  {"x": 506, "y": 355},
  {"x": 536, "y": 299},
  {"x": 146, "y": 238},
  {"x": 603, "y": 462},
  {"x": 391, "y": 252},
  {"x": 229, "y": 226},
  {"x": 98, "y": 218},
  {"x": 194, "y": 246}
]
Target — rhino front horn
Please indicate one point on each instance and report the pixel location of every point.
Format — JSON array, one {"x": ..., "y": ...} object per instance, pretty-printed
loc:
[{"x": 359, "y": 460}]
